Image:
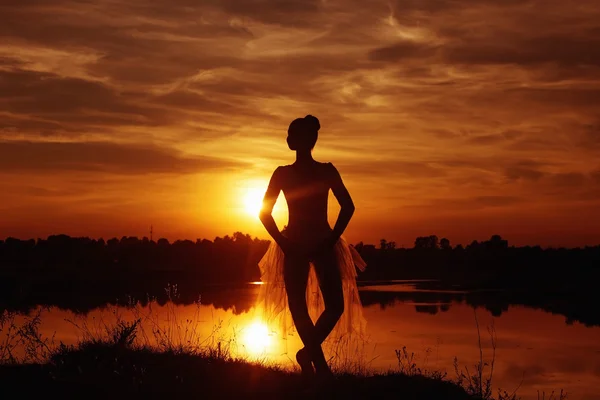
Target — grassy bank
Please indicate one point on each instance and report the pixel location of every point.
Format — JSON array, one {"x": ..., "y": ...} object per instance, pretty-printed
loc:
[
  {"x": 118, "y": 361},
  {"x": 109, "y": 370}
]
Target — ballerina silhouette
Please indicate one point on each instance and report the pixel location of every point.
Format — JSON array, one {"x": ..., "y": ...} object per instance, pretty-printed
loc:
[{"x": 309, "y": 240}]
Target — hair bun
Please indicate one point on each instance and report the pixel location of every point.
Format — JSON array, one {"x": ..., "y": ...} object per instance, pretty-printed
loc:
[{"x": 312, "y": 122}]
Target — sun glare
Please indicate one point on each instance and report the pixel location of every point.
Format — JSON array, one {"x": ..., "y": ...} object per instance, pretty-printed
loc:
[
  {"x": 252, "y": 199},
  {"x": 256, "y": 338}
]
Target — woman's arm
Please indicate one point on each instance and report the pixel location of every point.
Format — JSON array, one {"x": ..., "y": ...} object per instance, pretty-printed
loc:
[
  {"x": 266, "y": 216},
  {"x": 347, "y": 205}
]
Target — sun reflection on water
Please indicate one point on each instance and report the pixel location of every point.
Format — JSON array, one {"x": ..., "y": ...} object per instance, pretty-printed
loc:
[{"x": 256, "y": 338}]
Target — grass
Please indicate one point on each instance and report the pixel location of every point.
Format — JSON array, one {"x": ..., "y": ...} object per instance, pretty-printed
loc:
[
  {"x": 148, "y": 357},
  {"x": 115, "y": 366},
  {"x": 147, "y": 373}
]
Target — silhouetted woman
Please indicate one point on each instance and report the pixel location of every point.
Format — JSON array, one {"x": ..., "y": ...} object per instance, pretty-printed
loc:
[{"x": 308, "y": 254}]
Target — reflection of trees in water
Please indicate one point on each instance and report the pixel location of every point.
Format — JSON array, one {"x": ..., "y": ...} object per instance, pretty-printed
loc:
[
  {"x": 240, "y": 298},
  {"x": 82, "y": 274},
  {"x": 575, "y": 308},
  {"x": 427, "y": 308},
  {"x": 235, "y": 298}
]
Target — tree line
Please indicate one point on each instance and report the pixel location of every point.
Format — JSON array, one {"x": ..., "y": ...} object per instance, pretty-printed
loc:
[
  {"x": 61, "y": 259},
  {"x": 235, "y": 259},
  {"x": 81, "y": 273}
]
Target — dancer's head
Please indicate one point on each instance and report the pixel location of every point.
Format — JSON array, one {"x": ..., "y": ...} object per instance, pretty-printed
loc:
[{"x": 303, "y": 133}]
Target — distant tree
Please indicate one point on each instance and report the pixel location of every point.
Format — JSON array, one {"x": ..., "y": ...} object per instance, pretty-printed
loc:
[
  {"x": 239, "y": 237},
  {"x": 382, "y": 244},
  {"x": 496, "y": 242},
  {"x": 420, "y": 242},
  {"x": 434, "y": 242},
  {"x": 474, "y": 245},
  {"x": 183, "y": 243},
  {"x": 369, "y": 249},
  {"x": 223, "y": 240},
  {"x": 427, "y": 242},
  {"x": 445, "y": 244}
]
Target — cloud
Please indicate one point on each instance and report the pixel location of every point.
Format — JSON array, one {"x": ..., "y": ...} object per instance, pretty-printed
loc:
[
  {"x": 401, "y": 51},
  {"x": 284, "y": 12},
  {"x": 520, "y": 172},
  {"x": 54, "y": 157},
  {"x": 65, "y": 102},
  {"x": 472, "y": 104},
  {"x": 568, "y": 179},
  {"x": 467, "y": 204},
  {"x": 497, "y": 201},
  {"x": 590, "y": 137},
  {"x": 391, "y": 168},
  {"x": 561, "y": 50},
  {"x": 596, "y": 175},
  {"x": 486, "y": 140}
]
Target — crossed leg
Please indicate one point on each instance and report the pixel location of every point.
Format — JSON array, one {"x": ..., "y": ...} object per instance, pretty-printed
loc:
[
  {"x": 330, "y": 282},
  {"x": 296, "y": 277}
]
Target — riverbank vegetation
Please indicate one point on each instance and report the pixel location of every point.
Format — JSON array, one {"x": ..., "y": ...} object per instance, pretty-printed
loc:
[{"x": 118, "y": 361}]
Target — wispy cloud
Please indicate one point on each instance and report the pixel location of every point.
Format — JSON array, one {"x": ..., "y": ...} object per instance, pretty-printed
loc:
[
  {"x": 495, "y": 100},
  {"x": 53, "y": 157}
]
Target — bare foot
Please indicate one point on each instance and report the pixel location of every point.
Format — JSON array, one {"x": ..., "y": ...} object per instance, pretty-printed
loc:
[{"x": 303, "y": 358}]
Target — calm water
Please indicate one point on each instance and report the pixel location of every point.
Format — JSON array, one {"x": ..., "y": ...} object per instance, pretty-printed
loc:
[{"x": 535, "y": 350}]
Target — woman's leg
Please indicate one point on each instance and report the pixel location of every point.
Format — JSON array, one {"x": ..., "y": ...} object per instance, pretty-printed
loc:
[
  {"x": 296, "y": 278},
  {"x": 330, "y": 282}
]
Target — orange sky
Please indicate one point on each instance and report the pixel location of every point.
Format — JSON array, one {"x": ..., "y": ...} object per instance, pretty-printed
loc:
[{"x": 458, "y": 118}]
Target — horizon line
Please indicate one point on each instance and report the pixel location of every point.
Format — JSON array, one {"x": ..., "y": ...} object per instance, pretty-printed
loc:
[{"x": 171, "y": 241}]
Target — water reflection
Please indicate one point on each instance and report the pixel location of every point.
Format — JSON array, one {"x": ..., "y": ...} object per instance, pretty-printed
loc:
[
  {"x": 240, "y": 298},
  {"x": 536, "y": 349},
  {"x": 256, "y": 337},
  {"x": 173, "y": 326}
]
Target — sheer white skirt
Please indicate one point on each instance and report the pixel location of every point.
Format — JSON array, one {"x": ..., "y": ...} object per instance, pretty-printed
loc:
[{"x": 272, "y": 299}]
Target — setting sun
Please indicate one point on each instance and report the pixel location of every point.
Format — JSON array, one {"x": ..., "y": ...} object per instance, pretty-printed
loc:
[
  {"x": 188, "y": 170},
  {"x": 256, "y": 337},
  {"x": 253, "y": 200},
  {"x": 246, "y": 201}
]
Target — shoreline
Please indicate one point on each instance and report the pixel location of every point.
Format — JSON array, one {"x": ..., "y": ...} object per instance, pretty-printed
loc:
[{"x": 123, "y": 372}]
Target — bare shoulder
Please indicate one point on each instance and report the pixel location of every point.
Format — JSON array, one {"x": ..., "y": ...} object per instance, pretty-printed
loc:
[
  {"x": 283, "y": 168},
  {"x": 281, "y": 171},
  {"x": 325, "y": 165},
  {"x": 329, "y": 170}
]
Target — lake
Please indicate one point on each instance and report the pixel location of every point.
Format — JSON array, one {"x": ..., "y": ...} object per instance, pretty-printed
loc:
[{"x": 535, "y": 350}]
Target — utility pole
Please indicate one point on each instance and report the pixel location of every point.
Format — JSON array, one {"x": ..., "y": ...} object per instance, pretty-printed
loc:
[{"x": 151, "y": 232}]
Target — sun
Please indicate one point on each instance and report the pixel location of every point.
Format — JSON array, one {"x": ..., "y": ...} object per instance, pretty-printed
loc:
[
  {"x": 256, "y": 337},
  {"x": 252, "y": 200}
]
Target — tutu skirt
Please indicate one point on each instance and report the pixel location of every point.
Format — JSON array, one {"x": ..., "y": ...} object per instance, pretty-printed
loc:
[{"x": 272, "y": 299}]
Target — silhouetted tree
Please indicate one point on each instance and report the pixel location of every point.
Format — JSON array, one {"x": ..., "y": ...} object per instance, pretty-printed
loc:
[
  {"x": 445, "y": 244},
  {"x": 382, "y": 244},
  {"x": 496, "y": 242},
  {"x": 81, "y": 272},
  {"x": 427, "y": 242},
  {"x": 473, "y": 245}
]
